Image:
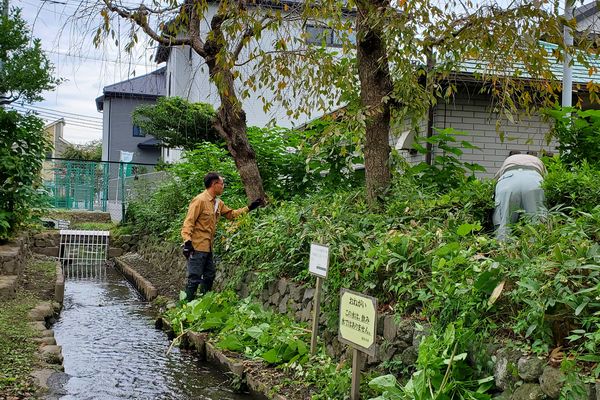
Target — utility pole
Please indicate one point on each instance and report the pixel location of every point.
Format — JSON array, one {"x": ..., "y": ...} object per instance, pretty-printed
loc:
[{"x": 567, "y": 89}]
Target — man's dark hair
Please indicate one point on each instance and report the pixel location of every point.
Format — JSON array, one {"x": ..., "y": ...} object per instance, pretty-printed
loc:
[{"x": 210, "y": 178}]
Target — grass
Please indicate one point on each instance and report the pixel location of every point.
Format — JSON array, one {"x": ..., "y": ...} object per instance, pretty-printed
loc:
[
  {"x": 16, "y": 345},
  {"x": 95, "y": 226}
]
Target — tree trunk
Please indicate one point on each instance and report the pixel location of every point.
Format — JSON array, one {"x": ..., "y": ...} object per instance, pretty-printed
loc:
[
  {"x": 231, "y": 118},
  {"x": 231, "y": 124},
  {"x": 375, "y": 89}
]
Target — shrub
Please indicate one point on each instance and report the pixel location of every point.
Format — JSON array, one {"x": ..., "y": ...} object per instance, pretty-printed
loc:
[
  {"x": 447, "y": 171},
  {"x": 426, "y": 255},
  {"x": 162, "y": 212},
  {"x": 22, "y": 149},
  {"x": 280, "y": 162},
  {"x": 578, "y": 134},
  {"x": 576, "y": 186}
]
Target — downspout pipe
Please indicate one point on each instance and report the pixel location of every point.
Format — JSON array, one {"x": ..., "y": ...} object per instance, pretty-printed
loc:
[
  {"x": 567, "y": 89},
  {"x": 429, "y": 133}
]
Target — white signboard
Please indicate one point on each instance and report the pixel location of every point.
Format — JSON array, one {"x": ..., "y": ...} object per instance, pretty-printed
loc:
[
  {"x": 358, "y": 321},
  {"x": 319, "y": 260},
  {"x": 125, "y": 156}
]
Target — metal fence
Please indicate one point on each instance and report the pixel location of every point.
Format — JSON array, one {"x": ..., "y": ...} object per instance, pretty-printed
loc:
[
  {"x": 98, "y": 185},
  {"x": 83, "y": 253}
]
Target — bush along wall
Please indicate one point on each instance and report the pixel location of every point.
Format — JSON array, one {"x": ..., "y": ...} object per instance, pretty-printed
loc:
[{"x": 432, "y": 263}]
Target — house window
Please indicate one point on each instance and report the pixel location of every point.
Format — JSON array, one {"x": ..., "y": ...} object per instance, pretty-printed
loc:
[
  {"x": 138, "y": 132},
  {"x": 319, "y": 35},
  {"x": 322, "y": 35}
]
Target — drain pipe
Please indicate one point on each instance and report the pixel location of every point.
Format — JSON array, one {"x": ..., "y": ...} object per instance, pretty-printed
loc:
[
  {"x": 567, "y": 89},
  {"x": 429, "y": 133}
]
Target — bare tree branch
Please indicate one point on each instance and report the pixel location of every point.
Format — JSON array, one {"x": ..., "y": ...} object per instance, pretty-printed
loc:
[{"x": 139, "y": 17}]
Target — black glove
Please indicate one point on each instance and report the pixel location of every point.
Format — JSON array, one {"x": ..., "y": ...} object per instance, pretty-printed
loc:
[
  {"x": 255, "y": 204},
  {"x": 188, "y": 249}
]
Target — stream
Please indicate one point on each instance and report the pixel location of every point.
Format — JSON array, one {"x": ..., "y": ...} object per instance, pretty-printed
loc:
[{"x": 112, "y": 350}]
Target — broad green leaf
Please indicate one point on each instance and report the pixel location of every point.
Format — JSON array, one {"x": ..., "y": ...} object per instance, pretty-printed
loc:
[
  {"x": 447, "y": 249},
  {"x": 383, "y": 382},
  {"x": 271, "y": 356},
  {"x": 231, "y": 342}
]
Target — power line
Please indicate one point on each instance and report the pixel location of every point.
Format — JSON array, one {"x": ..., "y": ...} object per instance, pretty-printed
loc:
[
  {"x": 91, "y": 117},
  {"x": 59, "y": 115},
  {"x": 51, "y": 117},
  {"x": 96, "y": 59}
]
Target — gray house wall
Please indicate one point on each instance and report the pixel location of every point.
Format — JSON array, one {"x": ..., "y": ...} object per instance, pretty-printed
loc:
[
  {"x": 120, "y": 130},
  {"x": 473, "y": 114}
]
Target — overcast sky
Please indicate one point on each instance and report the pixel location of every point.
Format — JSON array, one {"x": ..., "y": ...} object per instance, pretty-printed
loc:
[{"x": 84, "y": 69}]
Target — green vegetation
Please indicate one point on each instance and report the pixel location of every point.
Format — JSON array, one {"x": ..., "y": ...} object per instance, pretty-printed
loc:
[
  {"x": 430, "y": 255},
  {"x": 22, "y": 149},
  {"x": 18, "y": 350},
  {"x": 95, "y": 226},
  {"x": 16, "y": 344},
  {"x": 177, "y": 122},
  {"x": 281, "y": 155},
  {"x": 25, "y": 74},
  {"x": 577, "y": 133},
  {"x": 443, "y": 372},
  {"x": 244, "y": 327},
  {"x": 91, "y": 151}
]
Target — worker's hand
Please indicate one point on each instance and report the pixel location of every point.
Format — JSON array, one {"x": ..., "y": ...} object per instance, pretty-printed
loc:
[
  {"x": 188, "y": 249},
  {"x": 255, "y": 204}
]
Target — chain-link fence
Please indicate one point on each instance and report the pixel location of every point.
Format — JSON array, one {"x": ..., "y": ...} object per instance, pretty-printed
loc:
[{"x": 98, "y": 185}]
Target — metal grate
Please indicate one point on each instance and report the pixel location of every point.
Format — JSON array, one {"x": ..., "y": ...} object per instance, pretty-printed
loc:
[{"x": 83, "y": 253}]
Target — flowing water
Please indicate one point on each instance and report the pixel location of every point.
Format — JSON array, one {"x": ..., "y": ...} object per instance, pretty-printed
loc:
[{"x": 112, "y": 350}]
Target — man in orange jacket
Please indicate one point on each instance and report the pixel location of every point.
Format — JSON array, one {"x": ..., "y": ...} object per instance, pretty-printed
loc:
[{"x": 198, "y": 233}]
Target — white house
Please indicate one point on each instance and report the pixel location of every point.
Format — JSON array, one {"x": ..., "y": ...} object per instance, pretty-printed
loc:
[{"x": 187, "y": 76}]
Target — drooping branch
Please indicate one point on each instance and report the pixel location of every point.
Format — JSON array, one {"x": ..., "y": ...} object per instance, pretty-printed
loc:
[{"x": 140, "y": 18}]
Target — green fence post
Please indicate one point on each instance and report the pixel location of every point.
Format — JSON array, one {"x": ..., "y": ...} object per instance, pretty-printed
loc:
[
  {"x": 122, "y": 193},
  {"x": 104, "y": 185}
]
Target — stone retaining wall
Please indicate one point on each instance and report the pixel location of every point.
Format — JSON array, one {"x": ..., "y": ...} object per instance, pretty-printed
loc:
[
  {"x": 46, "y": 243},
  {"x": 124, "y": 244},
  {"x": 12, "y": 262},
  {"x": 12, "y": 257}
]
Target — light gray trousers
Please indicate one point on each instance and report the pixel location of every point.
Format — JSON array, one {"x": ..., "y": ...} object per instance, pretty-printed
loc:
[{"x": 517, "y": 191}]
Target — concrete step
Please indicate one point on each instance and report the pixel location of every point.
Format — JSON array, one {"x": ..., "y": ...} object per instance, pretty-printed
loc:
[{"x": 8, "y": 286}]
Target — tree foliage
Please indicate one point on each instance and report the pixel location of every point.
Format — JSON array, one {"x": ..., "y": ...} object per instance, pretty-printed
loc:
[
  {"x": 26, "y": 71},
  {"x": 91, "y": 151},
  {"x": 22, "y": 149},
  {"x": 431, "y": 49},
  {"x": 177, "y": 122}
]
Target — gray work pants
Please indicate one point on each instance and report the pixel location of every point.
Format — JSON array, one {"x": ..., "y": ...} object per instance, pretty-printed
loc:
[
  {"x": 201, "y": 272},
  {"x": 517, "y": 190}
]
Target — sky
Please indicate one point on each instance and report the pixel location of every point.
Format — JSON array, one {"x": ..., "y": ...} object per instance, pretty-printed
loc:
[{"x": 85, "y": 69}]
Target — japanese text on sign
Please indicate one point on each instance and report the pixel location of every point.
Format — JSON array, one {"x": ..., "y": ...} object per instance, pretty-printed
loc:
[
  {"x": 319, "y": 260},
  {"x": 358, "y": 318}
]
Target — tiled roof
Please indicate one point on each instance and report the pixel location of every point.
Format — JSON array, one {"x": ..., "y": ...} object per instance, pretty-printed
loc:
[
  {"x": 152, "y": 84},
  {"x": 581, "y": 74},
  {"x": 585, "y": 11}
]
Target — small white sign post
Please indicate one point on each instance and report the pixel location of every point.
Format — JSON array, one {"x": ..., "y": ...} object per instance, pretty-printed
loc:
[
  {"x": 318, "y": 266},
  {"x": 358, "y": 329}
]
